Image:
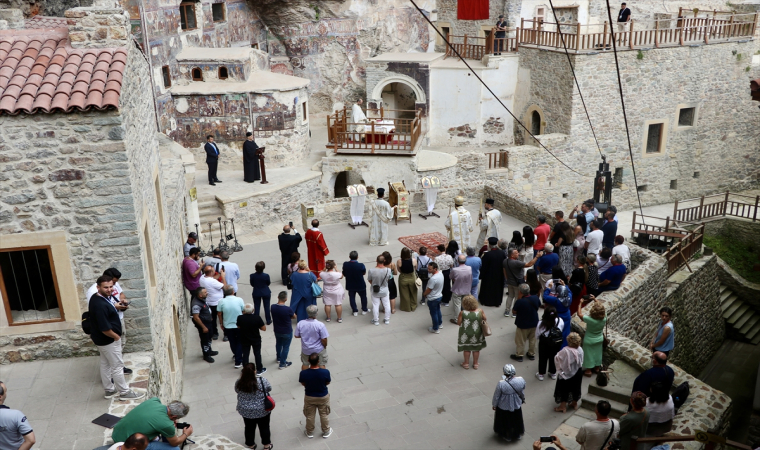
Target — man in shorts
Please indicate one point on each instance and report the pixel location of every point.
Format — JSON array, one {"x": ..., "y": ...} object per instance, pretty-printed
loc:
[{"x": 313, "y": 335}]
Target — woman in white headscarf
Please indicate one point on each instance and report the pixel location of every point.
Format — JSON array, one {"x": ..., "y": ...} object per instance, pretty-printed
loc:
[{"x": 507, "y": 402}]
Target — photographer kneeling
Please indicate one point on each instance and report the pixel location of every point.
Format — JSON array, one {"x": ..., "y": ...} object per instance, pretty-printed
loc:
[
  {"x": 556, "y": 444},
  {"x": 155, "y": 420}
]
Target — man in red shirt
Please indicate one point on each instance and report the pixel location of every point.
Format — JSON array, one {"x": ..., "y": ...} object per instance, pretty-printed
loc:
[
  {"x": 316, "y": 247},
  {"x": 542, "y": 234}
]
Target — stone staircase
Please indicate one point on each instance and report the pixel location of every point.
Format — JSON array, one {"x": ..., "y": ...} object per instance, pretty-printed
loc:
[{"x": 742, "y": 319}]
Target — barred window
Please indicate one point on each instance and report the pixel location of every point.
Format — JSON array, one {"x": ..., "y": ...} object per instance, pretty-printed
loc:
[{"x": 29, "y": 286}]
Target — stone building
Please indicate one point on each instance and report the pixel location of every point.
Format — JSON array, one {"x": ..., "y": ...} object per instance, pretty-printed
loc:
[{"x": 86, "y": 185}]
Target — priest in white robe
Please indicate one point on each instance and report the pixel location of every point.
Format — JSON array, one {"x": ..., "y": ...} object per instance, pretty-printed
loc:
[
  {"x": 489, "y": 225},
  {"x": 358, "y": 116},
  {"x": 382, "y": 213},
  {"x": 459, "y": 224}
]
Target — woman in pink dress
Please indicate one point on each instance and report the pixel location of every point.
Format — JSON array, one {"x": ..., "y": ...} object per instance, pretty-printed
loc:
[{"x": 332, "y": 290}]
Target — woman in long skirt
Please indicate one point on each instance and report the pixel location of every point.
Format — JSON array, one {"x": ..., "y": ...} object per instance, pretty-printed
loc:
[
  {"x": 507, "y": 402},
  {"x": 406, "y": 280},
  {"x": 569, "y": 361},
  {"x": 594, "y": 338}
]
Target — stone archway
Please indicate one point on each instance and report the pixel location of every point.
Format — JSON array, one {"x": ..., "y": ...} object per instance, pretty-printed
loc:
[
  {"x": 535, "y": 120},
  {"x": 419, "y": 93}
]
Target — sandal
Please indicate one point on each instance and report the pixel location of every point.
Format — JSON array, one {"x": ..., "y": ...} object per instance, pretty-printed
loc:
[
  {"x": 465, "y": 366},
  {"x": 269, "y": 447},
  {"x": 393, "y": 311},
  {"x": 560, "y": 410},
  {"x": 328, "y": 319},
  {"x": 475, "y": 366},
  {"x": 587, "y": 373},
  {"x": 340, "y": 320}
]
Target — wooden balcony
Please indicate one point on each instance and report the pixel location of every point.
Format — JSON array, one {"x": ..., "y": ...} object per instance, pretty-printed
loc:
[{"x": 381, "y": 135}]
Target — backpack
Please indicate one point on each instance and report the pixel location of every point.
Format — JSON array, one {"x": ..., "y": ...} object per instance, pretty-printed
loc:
[
  {"x": 422, "y": 272},
  {"x": 86, "y": 322},
  {"x": 553, "y": 337}
]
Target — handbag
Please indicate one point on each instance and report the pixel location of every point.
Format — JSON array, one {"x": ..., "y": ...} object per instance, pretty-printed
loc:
[
  {"x": 268, "y": 400},
  {"x": 316, "y": 290},
  {"x": 486, "y": 328},
  {"x": 417, "y": 280},
  {"x": 602, "y": 378},
  {"x": 376, "y": 287},
  {"x": 605, "y": 340}
]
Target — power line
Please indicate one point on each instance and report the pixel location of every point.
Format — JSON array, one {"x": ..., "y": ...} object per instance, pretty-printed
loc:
[
  {"x": 492, "y": 93},
  {"x": 622, "y": 102},
  {"x": 577, "y": 36}
]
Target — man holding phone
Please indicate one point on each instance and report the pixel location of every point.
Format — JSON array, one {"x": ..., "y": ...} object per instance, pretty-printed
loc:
[
  {"x": 117, "y": 299},
  {"x": 557, "y": 444},
  {"x": 289, "y": 241}
]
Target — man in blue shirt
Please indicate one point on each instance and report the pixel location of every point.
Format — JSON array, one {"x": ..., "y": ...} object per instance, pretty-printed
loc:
[
  {"x": 316, "y": 397},
  {"x": 354, "y": 272},
  {"x": 474, "y": 263},
  {"x": 526, "y": 321},
  {"x": 611, "y": 278},
  {"x": 609, "y": 229},
  {"x": 546, "y": 263}
]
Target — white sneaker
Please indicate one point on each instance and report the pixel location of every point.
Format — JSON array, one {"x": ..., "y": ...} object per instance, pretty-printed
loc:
[
  {"x": 327, "y": 434},
  {"x": 387, "y": 321},
  {"x": 308, "y": 435},
  {"x": 539, "y": 376},
  {"x": 553, "y": 376},
  {"x": 430, "y": 329},
  {"x": 356, "y": 314},
  {"x": 364, "y": 313}
]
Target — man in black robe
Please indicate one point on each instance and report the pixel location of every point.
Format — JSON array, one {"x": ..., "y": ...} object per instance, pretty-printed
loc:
[
  {"x": 288, "y": 245},
  {"x": 492, "y": 275},
  {"x": 251, "y": 171}
]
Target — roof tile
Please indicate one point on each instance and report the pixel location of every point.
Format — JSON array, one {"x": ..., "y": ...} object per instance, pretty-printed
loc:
[{"x": 40, "y": 72}]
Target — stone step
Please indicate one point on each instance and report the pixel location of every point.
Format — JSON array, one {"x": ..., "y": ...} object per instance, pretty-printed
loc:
[
  {"x": 732, "y": 309},
  {"x": 738, "y": 314},
  {"x": 744, "y": 319},
  {"x": 752, "y": 333},
  {"x": 589, "y": 402},
  {"x": 724, "y": 294},
  {"x": 610, "y": 392},
  {"x": 751, "y": 324},
  {"x": 756, "y": 340},
  {"x": 729, "y": 302},
  {"x": 722, "y": 288}
]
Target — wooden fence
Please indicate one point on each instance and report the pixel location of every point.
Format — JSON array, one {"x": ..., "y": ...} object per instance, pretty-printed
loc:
[
  {"x": 343, "y": 137},
  {"x": 599, "y": 36},
  {"x": 719, "y": 205},
  {"x": 474, "y": 47},
  {"x": 498, "y": 160},
  {"x": 682, "y": 251},
  {"x": 678, "y": 245}
]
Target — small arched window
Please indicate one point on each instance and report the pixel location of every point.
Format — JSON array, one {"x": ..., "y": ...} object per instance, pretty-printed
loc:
[
  {"x": 535, "y": 123},
  {"x": 223, "y": 73},
  {"x": 197, "y": 74}
]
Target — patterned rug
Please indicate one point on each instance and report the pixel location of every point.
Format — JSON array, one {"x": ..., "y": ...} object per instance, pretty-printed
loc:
[{"x": 429, "y": 240}]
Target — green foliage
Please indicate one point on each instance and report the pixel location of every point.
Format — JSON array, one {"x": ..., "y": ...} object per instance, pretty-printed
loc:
[
  {"x": 747, "y": 69},
  {"x": 739, "y": 57},
  {"x": 733, "y": 52},
  {"x": 737, "y": 255},
  {"x": 640, "y": 55},
  {"x": 316, "y": 11}
]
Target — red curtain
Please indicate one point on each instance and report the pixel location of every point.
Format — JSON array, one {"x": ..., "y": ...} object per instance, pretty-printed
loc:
[{"x": 472, "y": 10}]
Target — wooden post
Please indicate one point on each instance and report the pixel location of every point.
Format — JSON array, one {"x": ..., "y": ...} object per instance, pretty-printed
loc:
[
  {"x": 679, "y": 11},
  {"x": 634, "y": 224},
  {"x": 757, "y": 201},
  {"x": 675, "y": 212},
  {"x": 708, "y": 29},
  {"x": 382, "y": 115},
  {"x": 630, "y": 36},
  {"x": 701, "y": 204},
  {"x": 373, "y": 129},
  {"x": 263, "y": 166},
  {"x": 725, "y": 204},
  {"x": 517, "y": 38},
  {"x": 667, "y": 224},
  {"x": 657, "y": 32},
  {"x": 680, "y": 36},
  {"x": 577, "y": 36},
  {"x": 604, "y": 41}
]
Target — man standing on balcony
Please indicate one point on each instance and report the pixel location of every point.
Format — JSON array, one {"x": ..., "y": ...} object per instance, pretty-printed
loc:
[
  {"x": 358, "y": 118},
  {"x": 500, "y": 34},
  {"x": 624, "y": 16}
]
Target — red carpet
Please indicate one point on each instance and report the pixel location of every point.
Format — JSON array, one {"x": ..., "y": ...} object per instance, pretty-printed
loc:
[{"x": 429, "y": 240}]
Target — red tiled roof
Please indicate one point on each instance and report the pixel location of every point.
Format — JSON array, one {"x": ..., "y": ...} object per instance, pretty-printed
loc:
[
  {"x": 42, "y": 73},
  {"x": 37, "y": 22}
]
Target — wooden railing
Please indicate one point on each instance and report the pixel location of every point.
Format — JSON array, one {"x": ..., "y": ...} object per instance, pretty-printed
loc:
[
  {"x": 474, "y": 47},
  {"x": 498, "y": 160},
  {"x": 682, "y": 251},
  {"x": 719, "y": 205},
  {"x": 597, "y": 37},
  {"x": 653, "y": 233},
  {"x": 343, "y": 137}
]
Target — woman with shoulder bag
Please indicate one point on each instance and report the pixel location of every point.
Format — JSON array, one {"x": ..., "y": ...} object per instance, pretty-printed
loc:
[
  {"x": 251, "y": 395},
  {"x": 549, "y": 335},
  {"x": 303, "y": 295},
  {"x": 507, "y": 401},
  {"x": 422, "y": 271},
  {"x": 407, "y": 281},
  {"x": 472, "y": 338}
]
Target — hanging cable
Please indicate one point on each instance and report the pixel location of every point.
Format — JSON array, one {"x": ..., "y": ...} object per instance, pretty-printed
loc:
[
  {"x": 492, "y": 93},
  {"x": 572, "y": 69},
  {"x": 622, "y": 102}
]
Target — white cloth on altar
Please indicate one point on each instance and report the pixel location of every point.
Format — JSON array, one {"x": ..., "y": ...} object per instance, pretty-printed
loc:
[
  {"x": 357, "y": 209},
  {"x": 459, "y": 225},
  {"x": 431, "y": 194},
  {"x": 382, "y": 213},
  {"x": 384, "y": 126},
  {"x": 358, "y": 116},
  {"x": 489, "y": 227}
]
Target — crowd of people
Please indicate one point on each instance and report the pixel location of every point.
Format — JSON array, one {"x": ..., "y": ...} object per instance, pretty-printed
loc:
[{"x": 549, "y": 275}]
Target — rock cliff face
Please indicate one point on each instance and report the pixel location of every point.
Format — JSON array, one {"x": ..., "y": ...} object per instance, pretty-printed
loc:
[{"x": 329, "y": 41}]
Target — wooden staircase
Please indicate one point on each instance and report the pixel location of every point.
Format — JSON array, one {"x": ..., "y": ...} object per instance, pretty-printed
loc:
[{"x": 742, "y": 319}]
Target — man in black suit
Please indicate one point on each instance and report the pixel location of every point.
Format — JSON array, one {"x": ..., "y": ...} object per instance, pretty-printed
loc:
[
  {"x": 212, "y": 160},
  {"x": 288, "y": 245}
]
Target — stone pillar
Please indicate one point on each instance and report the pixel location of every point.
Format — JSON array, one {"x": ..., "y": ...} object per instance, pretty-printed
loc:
[{"x": 103, "y": 25}]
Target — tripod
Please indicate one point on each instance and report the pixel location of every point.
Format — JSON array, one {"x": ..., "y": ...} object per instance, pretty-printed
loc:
[
  {"x": 236, "y": 247},
  {"x": 228, "y": 238},
  {"x": 210, "y": 238},
  {"x": 202, "y": 253},
  {"x": 222, "y": 243}
]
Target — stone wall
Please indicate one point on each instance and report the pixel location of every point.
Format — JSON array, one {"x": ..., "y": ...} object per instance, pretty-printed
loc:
[
  {"x": 516, "y": 206},
  {"x": 712, "y": 78},
  {"x": 103, "y": 26},
  {"x": 706, "y": 409}
]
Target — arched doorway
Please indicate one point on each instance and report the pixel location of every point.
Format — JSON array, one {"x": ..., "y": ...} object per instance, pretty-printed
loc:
[
  {"x": 535, "y": 122},
  {"x": 399, "y": 100},
  {"x": 341, "y": 182}
]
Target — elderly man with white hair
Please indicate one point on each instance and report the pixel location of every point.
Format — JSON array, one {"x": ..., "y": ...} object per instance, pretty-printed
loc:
[
  {"x": 249, "y": 326},
  {"x": 546, "y": 263},
  {"x": 313, "y": 335}
]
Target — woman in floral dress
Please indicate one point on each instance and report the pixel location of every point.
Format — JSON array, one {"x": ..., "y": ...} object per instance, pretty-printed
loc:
[{"x": 471, "y": 337}]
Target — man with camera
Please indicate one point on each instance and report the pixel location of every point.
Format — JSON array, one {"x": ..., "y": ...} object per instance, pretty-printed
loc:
[
  {"x": 153, "y": 419},
  {"x": 596, "y": 434},
  {"x": 554, "y": 440}
]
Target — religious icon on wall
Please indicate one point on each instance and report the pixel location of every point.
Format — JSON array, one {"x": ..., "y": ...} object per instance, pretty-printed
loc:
[
  {"x": 435, "y": 182},
  {"x": 426, "y": 183},
  {"x": 352, "y": 191},
  {"x": 362, "y": 189}
]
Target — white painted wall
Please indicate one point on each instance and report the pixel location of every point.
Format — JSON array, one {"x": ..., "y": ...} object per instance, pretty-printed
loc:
[{"x": 457, "y": 98}]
